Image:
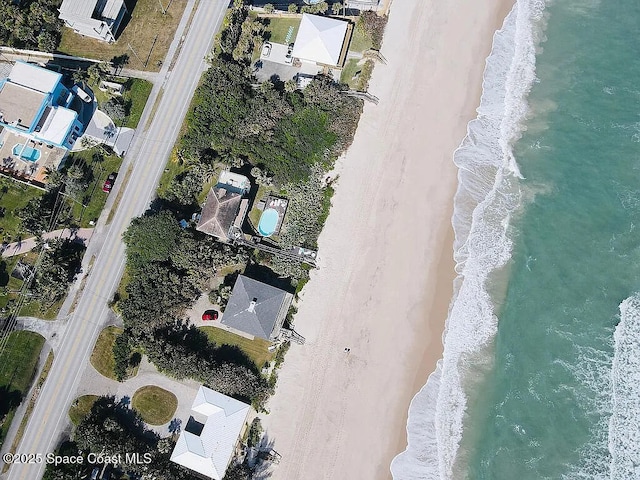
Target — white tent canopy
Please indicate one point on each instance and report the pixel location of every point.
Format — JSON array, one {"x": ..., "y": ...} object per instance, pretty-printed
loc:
[{"x": 320, "y": 39}]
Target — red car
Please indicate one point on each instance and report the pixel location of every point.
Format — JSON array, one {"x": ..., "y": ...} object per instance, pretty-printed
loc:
[
  {"x": 209, "y": 315},
  {"x": 108, "y": 183}
]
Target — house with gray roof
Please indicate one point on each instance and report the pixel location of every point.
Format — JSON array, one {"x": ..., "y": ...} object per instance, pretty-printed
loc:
[
  {"x": 256, "y": 309},
  {"x": 99, "y": 19}
]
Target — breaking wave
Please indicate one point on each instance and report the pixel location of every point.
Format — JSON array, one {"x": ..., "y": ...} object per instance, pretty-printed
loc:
[{"x": 624, "y": 423}]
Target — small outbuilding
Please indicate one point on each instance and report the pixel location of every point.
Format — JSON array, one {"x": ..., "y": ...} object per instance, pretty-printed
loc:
[{"x": 256, "y": 309}]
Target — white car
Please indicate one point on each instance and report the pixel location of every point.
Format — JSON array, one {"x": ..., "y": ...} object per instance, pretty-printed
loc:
[{"x": 266, "y": 49}]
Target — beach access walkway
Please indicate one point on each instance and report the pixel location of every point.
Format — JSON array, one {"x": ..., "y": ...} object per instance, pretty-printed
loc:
[{"x": 81, "y": 235}]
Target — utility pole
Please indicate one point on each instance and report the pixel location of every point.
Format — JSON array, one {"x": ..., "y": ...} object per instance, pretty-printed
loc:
[
  {"x": 134, "y": 52},
  {"x": 162, "y": 9}
]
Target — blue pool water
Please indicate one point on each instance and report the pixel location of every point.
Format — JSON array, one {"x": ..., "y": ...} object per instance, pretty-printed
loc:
[
  {"x": 31, "y": 154},
  {"x": 268, "y": 222}
]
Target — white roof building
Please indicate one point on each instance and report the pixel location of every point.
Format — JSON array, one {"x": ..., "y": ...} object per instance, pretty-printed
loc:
[
  {"x": 34, "y": 77},
  {"x": 99, "y": 19},
  {"x": 320, "y": 40},
  {"x": 207, "y": 443}
]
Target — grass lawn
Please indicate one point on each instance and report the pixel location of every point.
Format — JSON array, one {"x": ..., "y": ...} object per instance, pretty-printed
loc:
[
  {"x": 94, "y": 198},
  {"x": 254, "y": 214},
  {"x": 138, "y": 91},
  {"x": 155, "y": 405},
  {"x": 172, "y": 169},
  {"x": 6, "y": 280},
  {"x": 14, "y": 196},
  {"x": 279, "y": 27},
  {"x": 149, "y": 33},
  {"x": 349, "y": 70},
  {"x": 35, "y": 309},
  {"x": 135, "y": 96},
  {"x": 360, "y": 41},
  {"x": 81, "y": 408},
  {"x": 256, "y": 349},
  {"x": 32, "y": 403},
  {"x": 18, "y": 364},
  {"x": 102, "y": 355}
]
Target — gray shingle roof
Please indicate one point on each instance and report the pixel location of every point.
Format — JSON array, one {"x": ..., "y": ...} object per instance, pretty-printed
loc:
[{"x": 263, "y": 319}]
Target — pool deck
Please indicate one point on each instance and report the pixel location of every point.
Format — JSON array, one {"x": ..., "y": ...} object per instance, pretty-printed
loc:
[
  {"x": 32, "y": 172},
  {"x": 280, "y": 206}
]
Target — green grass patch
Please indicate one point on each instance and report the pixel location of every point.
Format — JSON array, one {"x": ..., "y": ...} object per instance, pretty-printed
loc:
[
  {"x": 172, "y": 169},
  {"x": 135, "y": 97},
  {"x": 138, "y": 91},
  {"x": 81, "y": 407},
  {"x": 254, "y": 214},
  {"x": 349, "y": 71},
  {"x": 360, "y": 41},
  {"x": 102, "y": 355},
  {"x": 36, "y": 309},
  {"x": 155, "y": 405},
  {"x": 18, "y": 365},
  {"x": 256, "y": 349},
  {"x": 32, "y": 402},
  {"x": 278, "y": 28},
  {"x": 13, "y": 197},
  {"x": 94, "y": 199},
  {"x": 149, "y": 32}
]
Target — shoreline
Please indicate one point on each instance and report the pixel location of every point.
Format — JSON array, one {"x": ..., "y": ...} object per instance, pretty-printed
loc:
[{"x": 386, "y": 269}]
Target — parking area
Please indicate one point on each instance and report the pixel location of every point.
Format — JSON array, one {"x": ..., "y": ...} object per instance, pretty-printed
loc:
[{"x": 276, "y": 53}]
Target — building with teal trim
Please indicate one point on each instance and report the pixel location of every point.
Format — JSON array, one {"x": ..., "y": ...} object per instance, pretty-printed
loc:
[{"x": 34, "y": 104}]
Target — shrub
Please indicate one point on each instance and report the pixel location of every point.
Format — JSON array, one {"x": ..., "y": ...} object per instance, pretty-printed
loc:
[{"x": 373, "y": 24}]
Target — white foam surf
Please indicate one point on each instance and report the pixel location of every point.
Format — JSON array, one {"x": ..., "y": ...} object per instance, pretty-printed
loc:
[
  {"x": 624, "y": 423},
  {"x": 487, "y": 195}
]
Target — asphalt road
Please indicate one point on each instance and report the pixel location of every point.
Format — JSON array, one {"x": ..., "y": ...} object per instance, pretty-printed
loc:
[{"x": 150, "y": 153}]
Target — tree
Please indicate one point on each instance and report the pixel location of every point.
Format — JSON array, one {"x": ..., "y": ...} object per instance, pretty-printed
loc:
[
  {"x": 120, "y": 61},
  {"x": 150, "y": 238},
  {"x": 76, "y": 179},
  {"x": 79, "y": 75},
  {"x": 293, "y": 8},
  {"x": 269, "y": 8},
  {"x": 121, "y": 355},
  {"x": 115, "y": 109},
  {"x": 290, "y": 86},
  {"x": 185, "y": 187},
  {"x": 321, "y": 7},
  {"x": 98, "y": 71},
  {"x": 47, "y": 42},
  {"x": 336, "y": 7}
]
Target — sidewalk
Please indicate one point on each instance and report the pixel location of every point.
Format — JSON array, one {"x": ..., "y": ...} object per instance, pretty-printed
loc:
[{"x": 81, "y": 235}]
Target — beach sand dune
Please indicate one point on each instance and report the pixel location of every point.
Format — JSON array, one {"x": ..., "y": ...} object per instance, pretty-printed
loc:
[{"x": 385, "y": 272}]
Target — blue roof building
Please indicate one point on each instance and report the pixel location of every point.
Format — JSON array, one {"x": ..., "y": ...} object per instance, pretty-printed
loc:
[{"x": 35, "y": 104}]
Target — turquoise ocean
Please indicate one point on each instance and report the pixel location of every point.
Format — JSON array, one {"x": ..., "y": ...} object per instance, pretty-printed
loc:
[{"x": 540, "y": 377}]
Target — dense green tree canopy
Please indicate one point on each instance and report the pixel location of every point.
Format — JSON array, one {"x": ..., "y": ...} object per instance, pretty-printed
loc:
[{"x": 151, "y": 238}]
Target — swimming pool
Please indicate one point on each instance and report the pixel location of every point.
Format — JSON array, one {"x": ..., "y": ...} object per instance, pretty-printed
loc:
[
  {"x": 268, "y": 222},
  {"x": 31, "y": 154}
]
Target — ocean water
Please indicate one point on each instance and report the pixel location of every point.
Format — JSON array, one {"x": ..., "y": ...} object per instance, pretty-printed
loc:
[{"x": 540, "y": 377}]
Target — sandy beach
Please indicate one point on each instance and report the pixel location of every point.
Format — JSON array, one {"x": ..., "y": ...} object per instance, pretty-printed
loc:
[{"x": 385, "y": 272}]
